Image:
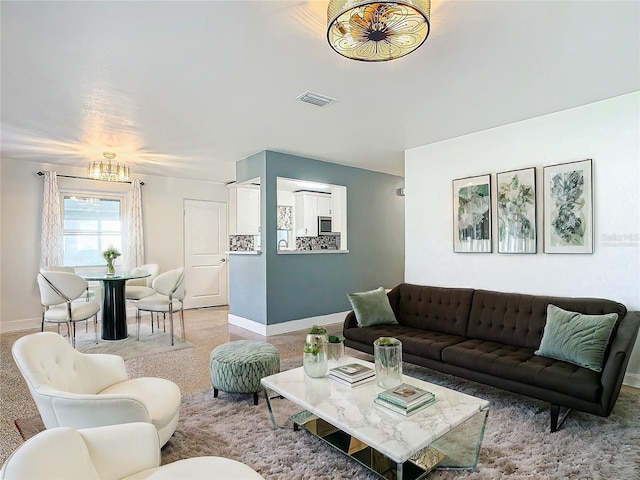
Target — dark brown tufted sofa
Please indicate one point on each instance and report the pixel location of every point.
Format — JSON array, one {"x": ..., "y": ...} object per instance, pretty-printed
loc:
[{"x": 490, "y": 337}]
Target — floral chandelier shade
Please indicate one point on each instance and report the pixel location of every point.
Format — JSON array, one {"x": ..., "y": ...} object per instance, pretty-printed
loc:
[
  {"x": 377, "y": 31},
  {"x": 109, "y": 171}
]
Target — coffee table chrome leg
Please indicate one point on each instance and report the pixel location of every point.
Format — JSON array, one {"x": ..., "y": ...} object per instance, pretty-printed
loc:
[{"x": 271, "y": 414}]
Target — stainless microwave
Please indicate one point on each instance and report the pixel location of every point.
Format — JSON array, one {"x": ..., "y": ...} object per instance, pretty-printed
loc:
[{"x": 324, "y": 226}]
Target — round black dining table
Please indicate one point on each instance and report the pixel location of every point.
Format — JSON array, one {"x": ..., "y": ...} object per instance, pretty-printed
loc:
[{"x": 114, "y": 310}]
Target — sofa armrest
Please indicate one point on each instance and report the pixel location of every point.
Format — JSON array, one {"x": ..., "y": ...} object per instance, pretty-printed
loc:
[
  {"x": 350, "y": 321},
  {"x": 118, "y": 451},
  {"x": 615, "y": 366}
]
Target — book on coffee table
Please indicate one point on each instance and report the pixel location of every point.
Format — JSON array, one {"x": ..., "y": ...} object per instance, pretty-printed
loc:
[
  {"x": 406, "y": 411},
  {"x": 406, "y": 396},
  {"x": 354, "y": 383},
  {"x": 352, "y": 372}
]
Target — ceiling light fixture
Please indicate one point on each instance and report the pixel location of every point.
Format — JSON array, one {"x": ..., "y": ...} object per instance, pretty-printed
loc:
[
  {"x": 377, "y": 31},
  {"x": 111, "y": 172}
]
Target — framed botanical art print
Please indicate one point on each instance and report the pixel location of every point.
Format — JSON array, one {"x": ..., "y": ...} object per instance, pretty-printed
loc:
[
  {"x": 568, "y": 208},
  {"x": 516, "y": 192},
  {"x": 472, "y": 214}
]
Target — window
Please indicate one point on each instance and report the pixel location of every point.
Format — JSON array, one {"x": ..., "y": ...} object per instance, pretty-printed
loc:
[{"x": 90, "y": 225}]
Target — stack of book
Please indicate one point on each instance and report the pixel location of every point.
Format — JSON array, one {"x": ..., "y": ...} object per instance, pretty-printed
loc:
[
  {"x": 405, "y": 399},
  {"x": 352, "y": 374}
]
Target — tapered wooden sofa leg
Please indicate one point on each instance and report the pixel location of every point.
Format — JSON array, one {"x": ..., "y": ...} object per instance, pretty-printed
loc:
[{"x": 556, "y": 419}]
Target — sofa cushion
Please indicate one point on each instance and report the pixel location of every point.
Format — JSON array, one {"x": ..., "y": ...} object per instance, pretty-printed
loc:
[
  {"x": 436, "y": 309},
  {"x": 577, "y": 338},
  {"x": 372, "y": 308},
  {"x": 519, "y": 320},
  {"x": 414, "y": 341},
  {"x": 520, "y": 364}
]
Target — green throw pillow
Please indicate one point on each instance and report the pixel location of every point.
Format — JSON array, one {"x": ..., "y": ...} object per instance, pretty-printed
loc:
[
  {"x": 576, "y": 338},
  {"x": 372, "y": 308}
]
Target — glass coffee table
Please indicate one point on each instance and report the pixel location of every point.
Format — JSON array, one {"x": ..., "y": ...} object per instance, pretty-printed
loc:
[{"x": 446, "y": 435}]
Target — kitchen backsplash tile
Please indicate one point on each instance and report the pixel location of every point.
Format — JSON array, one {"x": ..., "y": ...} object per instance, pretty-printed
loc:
[
  {"x": 241, "y": 243},
  {"x": 323, "y": 242}
]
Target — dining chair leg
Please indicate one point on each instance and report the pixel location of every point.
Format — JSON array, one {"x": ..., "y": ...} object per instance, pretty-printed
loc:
[
  {"x": 95, "y": 327},
  {"x": 138, "y": 324},
  {"x": 171, "y": 320},
  {"x": 182, "y": 324}
]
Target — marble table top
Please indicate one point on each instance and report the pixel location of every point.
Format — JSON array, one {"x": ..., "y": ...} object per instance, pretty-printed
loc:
[{"x": 353, "y": 410}]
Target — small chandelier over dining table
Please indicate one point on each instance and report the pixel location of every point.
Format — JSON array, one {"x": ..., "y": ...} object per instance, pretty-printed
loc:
[
  {"x": 109, "y": 171},
  {"x": 377, "y": 31}
]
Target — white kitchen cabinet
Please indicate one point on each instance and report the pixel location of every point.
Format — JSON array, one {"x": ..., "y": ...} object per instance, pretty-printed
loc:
[
  {"x": 244, "y": 210},
  {"x": 325, "y": 205},
  {"x": 308, "y": 206}
]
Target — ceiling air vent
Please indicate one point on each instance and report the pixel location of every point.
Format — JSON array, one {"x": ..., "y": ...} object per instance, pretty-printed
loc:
[{"x": 316, "y": 99}]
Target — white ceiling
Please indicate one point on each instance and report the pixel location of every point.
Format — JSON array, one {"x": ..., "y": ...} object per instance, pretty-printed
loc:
[{"x": 187, "y": 89}]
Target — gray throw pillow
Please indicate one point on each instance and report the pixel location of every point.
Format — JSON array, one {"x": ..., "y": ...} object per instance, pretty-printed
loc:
[
  {"x": 372, "y": 308},
  {"x": 576, "y": 338}
]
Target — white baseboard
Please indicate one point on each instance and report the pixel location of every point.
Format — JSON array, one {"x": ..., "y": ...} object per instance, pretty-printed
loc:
[
  {"x": 20, "y": 325},
  {"x": 286, "y": 327},
  {"x": 632, "y": 380}
]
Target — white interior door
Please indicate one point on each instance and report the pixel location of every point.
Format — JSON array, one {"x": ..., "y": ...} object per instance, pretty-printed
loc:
[{"x": 205, "y": 242}]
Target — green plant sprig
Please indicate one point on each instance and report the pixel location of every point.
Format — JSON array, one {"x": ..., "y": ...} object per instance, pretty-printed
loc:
[
  {"x": 387, "y": 342},
  {"x": 110, "y": 254}
]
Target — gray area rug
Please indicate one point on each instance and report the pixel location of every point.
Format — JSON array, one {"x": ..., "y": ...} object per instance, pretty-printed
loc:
[
  {"x": 517, "y": 443},
  {"x": 128, "y": 348}
]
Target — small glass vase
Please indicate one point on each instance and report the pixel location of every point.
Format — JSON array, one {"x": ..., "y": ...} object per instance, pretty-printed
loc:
[
  {"x": 388, "y": 362},
  {"x": 314, "y": 358},
  {"x": 110, "y": 268},
  {"x": 315, "y": 364},
  {"x": 335, "y": 353}
]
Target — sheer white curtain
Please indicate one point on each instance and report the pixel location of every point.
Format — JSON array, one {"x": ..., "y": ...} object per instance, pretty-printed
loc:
[
  {"x": 134, "y": 256},
  {"x": 51, "y": 251}
]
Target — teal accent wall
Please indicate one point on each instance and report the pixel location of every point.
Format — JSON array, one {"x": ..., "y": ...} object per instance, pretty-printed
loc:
[{"x": 272, "y": 288}]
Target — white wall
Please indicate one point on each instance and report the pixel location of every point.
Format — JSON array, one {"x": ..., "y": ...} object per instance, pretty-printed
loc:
[
  {"x": 21, "y": 199},
  {"x": 607, "y": 132}
]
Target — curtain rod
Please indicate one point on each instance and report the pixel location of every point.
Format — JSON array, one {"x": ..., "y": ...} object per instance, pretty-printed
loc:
[{"x": 40, "y": 174}]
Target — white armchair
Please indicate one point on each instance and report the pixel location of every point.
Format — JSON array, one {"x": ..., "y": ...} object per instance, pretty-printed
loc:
[
  {"x": 74, "y": 389},
  {"x": 129, "y": 451}
]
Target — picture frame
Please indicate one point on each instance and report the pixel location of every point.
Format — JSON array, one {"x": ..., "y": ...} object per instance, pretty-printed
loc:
[
  {"x": 516, "y": 211},
  {"x": 472, "y": 214},
  {"x": 568, "y": 207}
]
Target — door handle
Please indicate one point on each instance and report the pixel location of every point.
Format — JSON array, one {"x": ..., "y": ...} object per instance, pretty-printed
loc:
[{"x": 222, "y": 260}]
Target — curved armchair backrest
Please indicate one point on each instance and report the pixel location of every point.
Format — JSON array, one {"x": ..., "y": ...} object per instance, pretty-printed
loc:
[
  {"x": 86, "y": 454},
  {"x": 171, "y": 283},
  {"x": 55, "y": 453},
  {"x": 53, "y": 368},
  {"x": 60, "y": 287}
]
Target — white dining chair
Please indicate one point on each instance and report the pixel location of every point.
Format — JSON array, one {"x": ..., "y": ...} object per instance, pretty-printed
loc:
[
  {"x": 58, "y": 290},
  {"x": 139, "y": 289},
  {"x": 169, "y": 296}
]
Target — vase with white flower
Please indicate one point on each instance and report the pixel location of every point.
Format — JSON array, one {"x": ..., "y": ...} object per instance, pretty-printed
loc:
[{"x": 110, "y": 254}]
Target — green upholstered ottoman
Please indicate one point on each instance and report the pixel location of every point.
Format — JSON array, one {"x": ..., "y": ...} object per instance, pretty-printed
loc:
[{"x": 238, "y": 367}]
